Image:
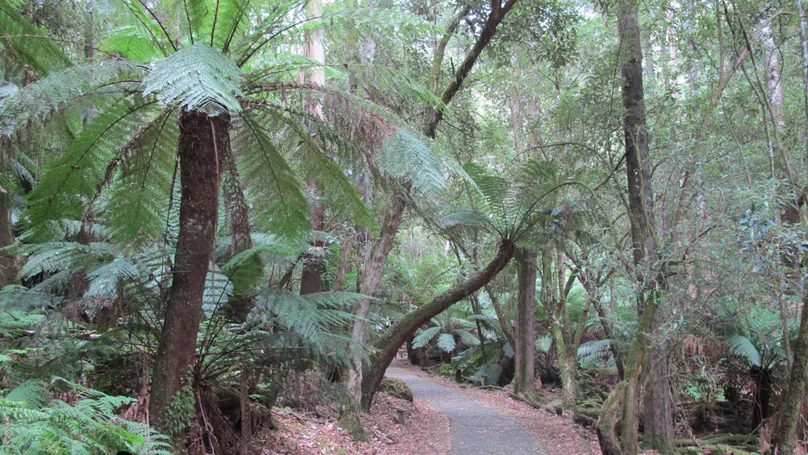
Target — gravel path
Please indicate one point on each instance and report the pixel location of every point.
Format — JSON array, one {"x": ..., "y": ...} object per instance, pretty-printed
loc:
[{"x": 476, "y": 429}]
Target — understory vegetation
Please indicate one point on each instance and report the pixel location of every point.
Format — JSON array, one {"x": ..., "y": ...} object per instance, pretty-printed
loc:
[{"x": 210, "y": 209}]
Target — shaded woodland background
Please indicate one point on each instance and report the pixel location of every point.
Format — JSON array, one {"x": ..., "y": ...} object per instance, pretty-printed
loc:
[{"x": 211, "y": 208}]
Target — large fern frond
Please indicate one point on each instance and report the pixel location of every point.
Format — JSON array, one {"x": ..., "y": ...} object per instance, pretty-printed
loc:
[
  {"x": 312, "y": 316},
  {"x": 138, "y": 201},
  {"x": 27, "y": 42},
  {"x": 342, "y": 196},
  {"x": 38, "y": 100},
  {"x": 743, "y": 347},
  {"x": 423, "y": 338},
  {"x": 196, "y": 78},
  {"x": 279, "y": 204},
  {"x": 74, "y": 178},
  {"x": 404, "y": 156}
]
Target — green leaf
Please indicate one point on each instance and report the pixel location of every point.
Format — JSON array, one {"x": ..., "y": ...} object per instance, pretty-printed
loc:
[
  {"x": 425, "y": 337},
  {"x": 743, "y": 347},
  {"x": 446, "y": 342}
]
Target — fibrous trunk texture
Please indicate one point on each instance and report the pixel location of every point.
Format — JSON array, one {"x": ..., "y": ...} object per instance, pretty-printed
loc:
[
  {"x": 399, "y": 333},
  {"x": 525, "y": 349},
  {"x": 201, "y": 140}
]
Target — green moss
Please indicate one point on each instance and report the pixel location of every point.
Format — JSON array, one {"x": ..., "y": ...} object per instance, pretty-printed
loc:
[{"x": 396, "y": 388}]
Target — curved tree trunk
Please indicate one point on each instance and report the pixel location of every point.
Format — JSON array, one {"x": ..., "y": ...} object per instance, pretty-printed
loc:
[
  {"x": 202, "y": 138},
  {"x": 398, "y": 334}
]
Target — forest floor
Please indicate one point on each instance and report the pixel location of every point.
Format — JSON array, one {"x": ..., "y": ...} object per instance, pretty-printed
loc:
[{"x": 445, "y": 419}]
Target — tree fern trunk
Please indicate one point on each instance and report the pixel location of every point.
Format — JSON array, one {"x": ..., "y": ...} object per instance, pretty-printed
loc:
[{"x": 202, "y": 138}]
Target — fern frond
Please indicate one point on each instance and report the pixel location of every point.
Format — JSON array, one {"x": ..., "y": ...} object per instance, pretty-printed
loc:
[
  {"x": 544, "y": 343},
  {"x": 22, "y": 298},
  {"x": 131, "y": 44},
  {"x": 312, "y": 316},
  {"x": 423, "y": 338},
  {"x": 446, "y": 342},
  {"x": 147, "y": 24},
  {"x": 593, "y": 351},
  {"x": 342, "y": 195},
  {"x": 196, "y": 78},
  {"x": 38, "y": 100},
  {"x": 743, "y": 347},
  {"x": 218, "y": 289},
  {"x": 277, "y": 197},
  {"x": 138, "y": 201},
  {"x": 407, "y": 157},
  {"x": 28, "y": 42},
  {"x": 466, "y": 337},
  {"x": 74, "y": 178}
]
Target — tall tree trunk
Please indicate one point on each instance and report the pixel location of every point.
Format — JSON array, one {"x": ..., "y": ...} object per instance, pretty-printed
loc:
[
  {"x": 644, "y": 245},
  {"x": 786, "y": 437},
  {"x": 658, "y": 402},
  {"x": 312, "y": 279},
  {"x": 202, "y": 139},
  {"x": 369, "y": 278},
  {"x": 8, "y": 262},
  {"x": 525, "y": 349},
  {"x": 403, "y": 330},
  {"x": 562, "y": 334}
]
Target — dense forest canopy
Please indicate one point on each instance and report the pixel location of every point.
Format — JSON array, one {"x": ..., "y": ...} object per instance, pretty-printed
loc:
[{"x": 206, "y": 203}]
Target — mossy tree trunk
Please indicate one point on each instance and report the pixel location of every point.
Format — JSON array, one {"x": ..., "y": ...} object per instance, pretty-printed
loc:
[
  {"x": 786, "y": 436},
  {"x": 398, "y": 334},
  {"x": 525, "y": 348},
  {"x": 202, "y": 140},
  {"x": 649, "y": 280}
]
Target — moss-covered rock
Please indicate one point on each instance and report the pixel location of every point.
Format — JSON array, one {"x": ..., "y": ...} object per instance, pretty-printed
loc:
[{"x": 396, "y": 388}]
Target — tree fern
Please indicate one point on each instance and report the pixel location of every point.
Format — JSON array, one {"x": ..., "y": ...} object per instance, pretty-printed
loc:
[
  {"x": 278, "y": 201},
  {"x": 594, "y": 351},
  {"x": 35, "y": 423},
  {"x": 311, "y": 316},
  {"x": 423, "y": 338},
  {"x": 319, "y": 166},
  {"x": 743, "y": 347},
  {"x": 405, "y": 156}
]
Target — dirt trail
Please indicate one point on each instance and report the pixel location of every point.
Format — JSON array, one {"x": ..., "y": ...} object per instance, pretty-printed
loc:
[{"x": 477, "y": 429}]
